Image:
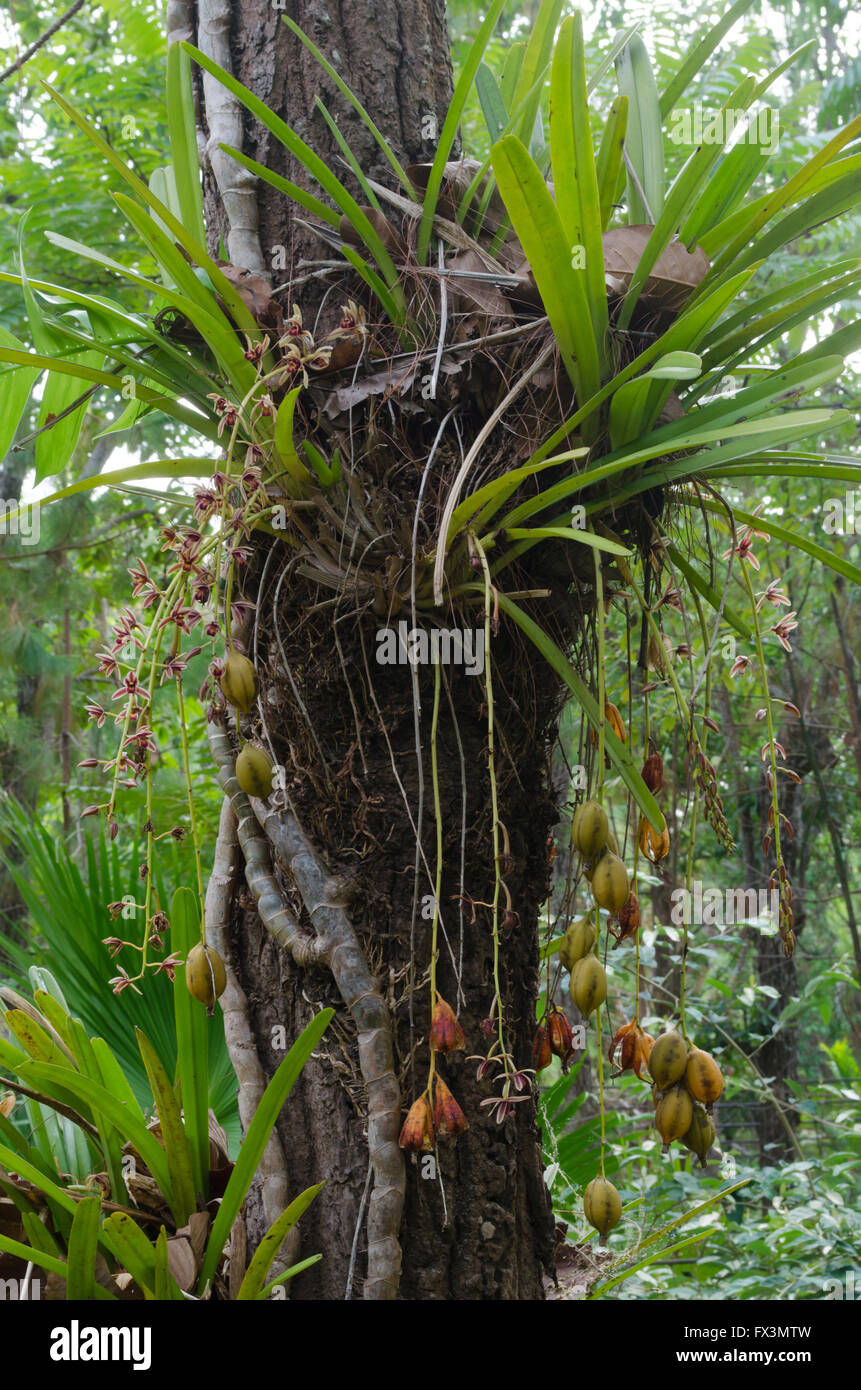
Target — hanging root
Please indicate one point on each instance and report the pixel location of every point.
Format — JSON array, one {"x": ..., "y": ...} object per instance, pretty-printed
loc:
[
  {"x": 335, "y": 945},
  {"x": 272, "y": 910},
  {"x": 239, "y": 1039}
]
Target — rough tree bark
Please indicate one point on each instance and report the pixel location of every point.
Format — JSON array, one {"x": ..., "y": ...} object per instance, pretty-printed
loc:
[{"x": 482, "y": 1228}]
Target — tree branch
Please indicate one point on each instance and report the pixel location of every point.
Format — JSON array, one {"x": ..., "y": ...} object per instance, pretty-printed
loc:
[{"x": 41, "y": 41}]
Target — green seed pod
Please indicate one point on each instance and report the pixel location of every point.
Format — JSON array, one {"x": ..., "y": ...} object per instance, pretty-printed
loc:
[
  {"x": 703, "y": 1076},
  {"x": 674, "y": 1114},
  {"x": 700, "y": 1134},
  {"x": 667, "y": 1059},
  {"x": 239, "y": 682},
  {"x": 577, "y": 942},
  {"x": 589, "y": 829},
  {"x": 588, "y": 985},
  {"x": 603, "y": 1207},
  {"x": 254, "y": 770},
  {"x": 205, "y": 975},
  {"x": 611, "y": 847},
  {"x": 610, "y": 884}
]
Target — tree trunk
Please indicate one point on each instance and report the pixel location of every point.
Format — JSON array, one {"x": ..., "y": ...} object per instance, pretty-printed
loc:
[{"x": 345, "y": 731}]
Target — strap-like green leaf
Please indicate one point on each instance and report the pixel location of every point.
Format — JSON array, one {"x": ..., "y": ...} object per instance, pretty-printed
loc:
[
  {"x": 357, "y": 106},
  {"x": 537, "y": 223},
  {"x": 192, "y": 1041},
  {"x": 172, "y": 1131},
  {"x": 239, "y": 310},
  {"x": 698, "y": 55},
  {"x": 183, "y": 142},
  {"x": 645, "y": 139},
  {"x": 609, "y": 163},
  {"x": 256, "y": 1139},
  {"x": 448, "y": 134},
  {"x": 255, "y": 1276},
  {"x": 83, "y": 1245},
  {"x": 535, "y": 59},
  {"x": 574, "y": 178}
]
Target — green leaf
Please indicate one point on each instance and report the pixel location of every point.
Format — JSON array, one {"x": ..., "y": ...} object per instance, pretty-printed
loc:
[
  {"x": 707, "y": 591},
  {"x": 609, "y": 163},
  {"x": 511, "y": 72},
  {"x": 645, "y": 140},
  {"x": 315, "y": 166},
  {"x": 113, "y": 1078},
  {"x": 16, "y": 1163},
  {"x": 35, "y": 1039},
  {"x": 88, "y": 1064},
  {"x": 183, "y": 141},
  {"x": 492, "y": 105},
  {"x": 791, "y": 538},
  {"x": 172, "y": 1131},
  {"x": 137, "y": 329},
  {"x": 291, "y": 1274},
  {"x": 448, "y": 134},
  {"x": 192, "y": 1042},
  {"x": 629, "y": 416},
  {"x": 40, "y": 1236},
  {"x": 536, "y": 56},
  {"x": 197, "y": 422},
  {"x": 574, "y": 177},
  {"x": 15, "y": 388},
  {"x": 166, "y": 1287},
  {"x": 261, "y": 1263},
  {"x": 133, "y": 1250},
  {"x": 202, "y": 308},
  {"x": 536, "y": 221},
  {"x": 357, "y": 106},
  {"x": 56, "y": 444},
  {"x": 256, "y": 1139},
  {"x": 700, "y": 51},
  {"x": 34, "y": 1256},
  {"x": 568, "y": 533},
  {"x": 489, "y": 498},
  {"x": 683, "y": 194},
  {"x": 686, "y": 334},
  {"x": 290, "y": 190},
  {"x": 228, "y": 293},
  {"x": 783, "y": 195},
  {"x": 95, "y": 1095},
  {"x": 83, "y": 1245},
  {"x": 343, "y": 145},
  {"x": 601, "y": 1289},
  {"x": 156, "y": 468}
]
